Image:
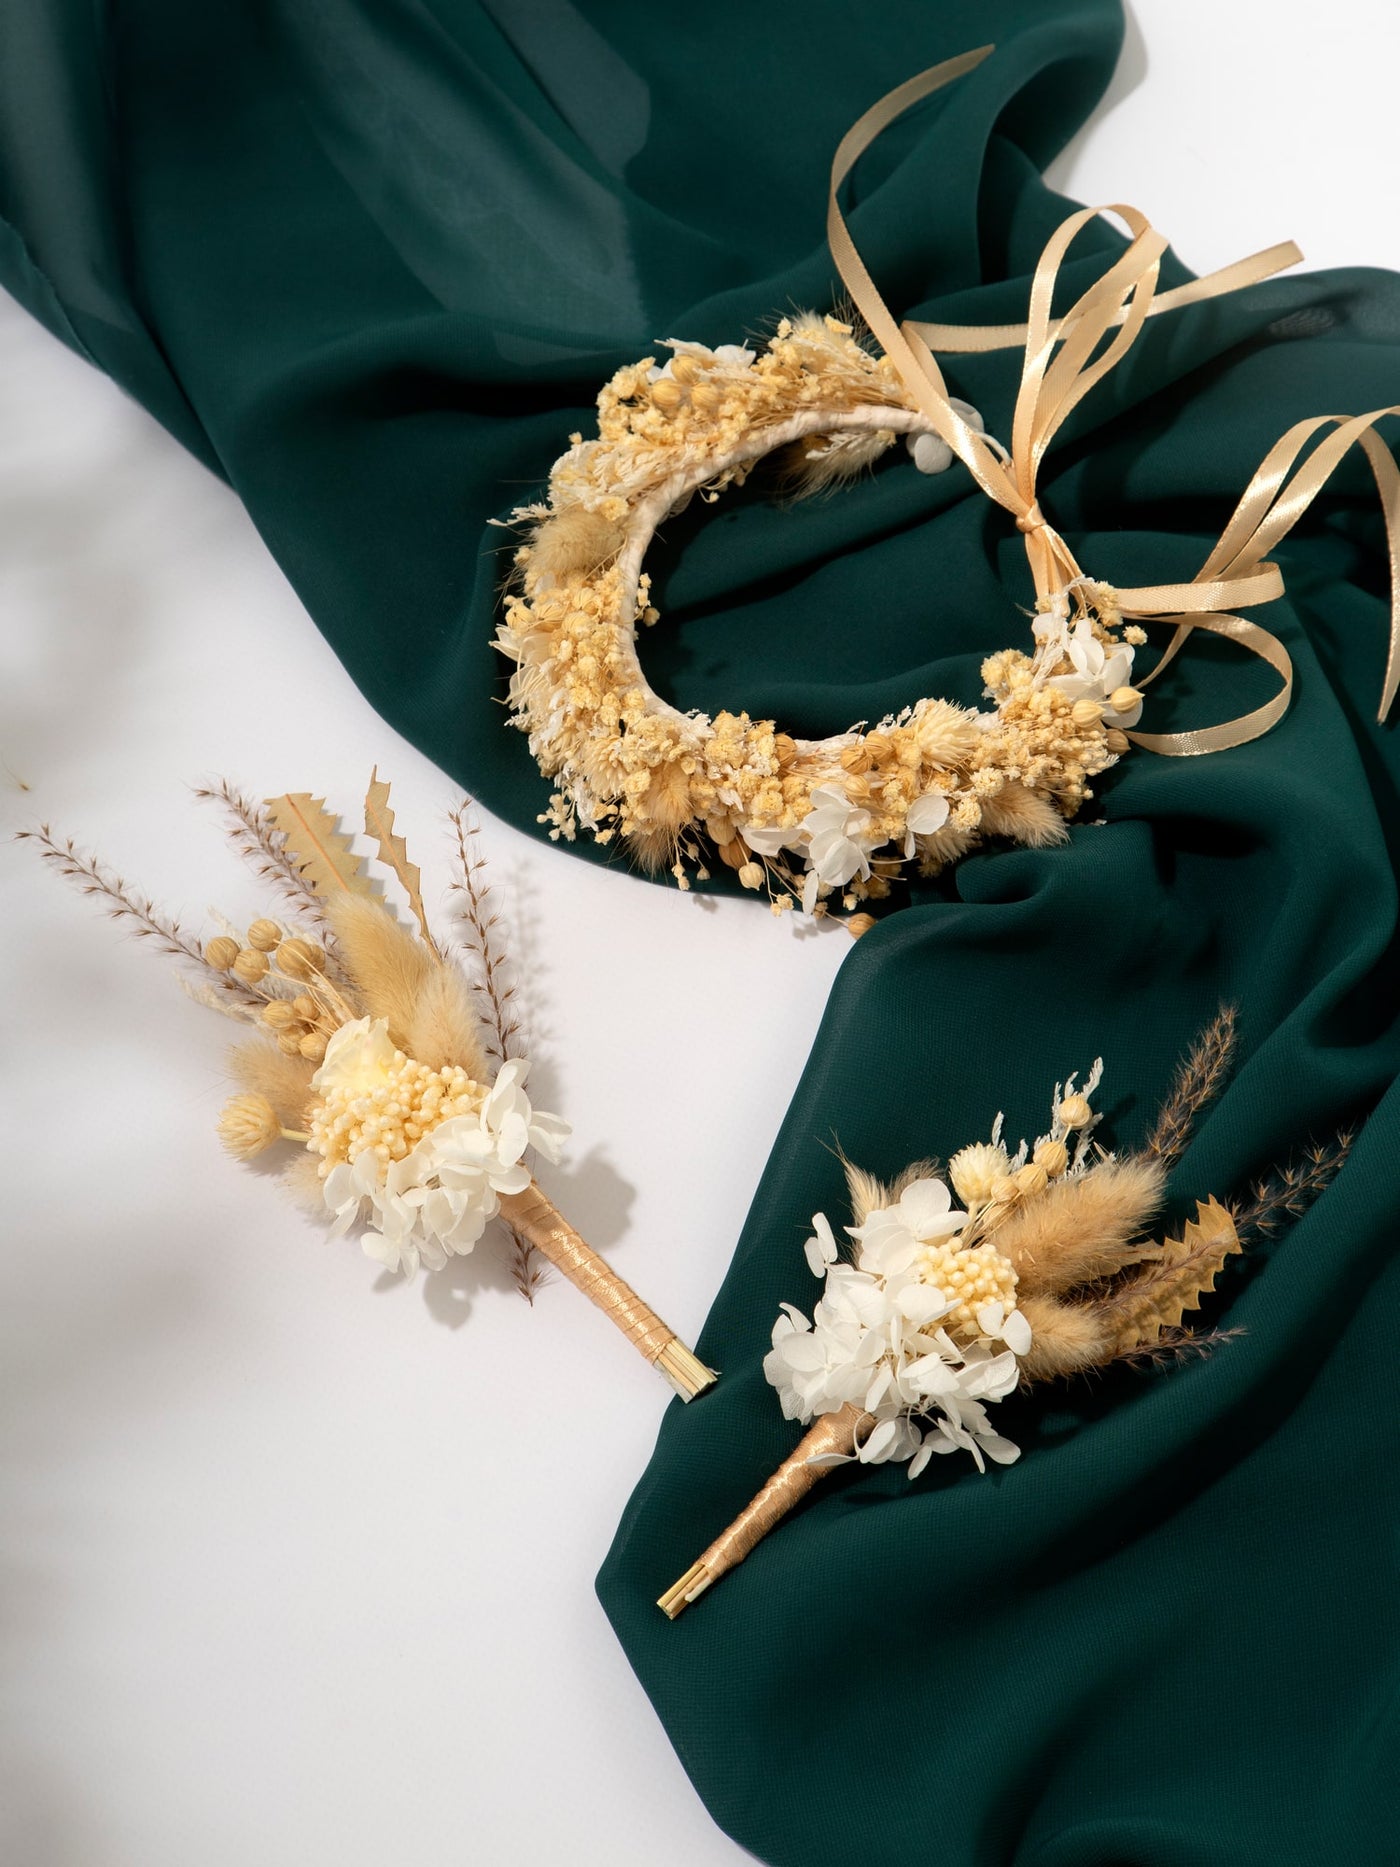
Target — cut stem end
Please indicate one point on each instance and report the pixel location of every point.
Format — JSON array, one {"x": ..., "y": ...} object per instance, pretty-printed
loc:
[
  {"x": 685, "y": 1371},
  {"x": 690, "y": 1587}
]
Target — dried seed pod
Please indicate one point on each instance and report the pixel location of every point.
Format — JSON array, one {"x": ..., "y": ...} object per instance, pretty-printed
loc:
[
  {"x": 250, "y": 965},
  {"x": 289, "y": 1043},
  {"x": 305, "y": 1008},
  {"x": 313, "y": 1046},
  {"x": 1074, "y": 1111},
  {"x": 297, "y": 958},
  {"x": 667, "y": 395},
  {"x": 264, "y": 936},
  {"x": 279, "y": 1014},
  {"x": 856, "y": 758},
  {"x": 1053, "y": 1156},
  {"x": 1124, "y": 699},
  {"x": 221, "y": 952},
  {"x": 1086, "y": 713},
  {"x": 784, "y": 750},
  {"x": 1117, "y": 741}
]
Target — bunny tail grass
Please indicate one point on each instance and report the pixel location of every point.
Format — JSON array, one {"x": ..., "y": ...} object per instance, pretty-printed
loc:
[
  {"x": 833, "y": 1437},
  {"x": 537, "y": 1219}
]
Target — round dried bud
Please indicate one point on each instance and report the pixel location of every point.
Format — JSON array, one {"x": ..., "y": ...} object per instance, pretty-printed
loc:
[
  {"x": 751, "y": 875},
  {"x": 1086, "y": 712},
  {"x": 685, "y": 369},
  {"x": 733, "y": 854},
  {"x": 1005, "y": 1191},
  {"x": 247, "y": 1125},
  {"x": 667, "y": 395},
  {"x": 304, "y": 1007},
  {"x": 1053, "y": 1156},
  {"x": 856, "y": 758},
  {"x": 1074, "y": 1111},
  {"x": 279, "y": 1014},
  {"x": 784, "y": 750},
  {"x": 705, "y": 397},
  {"x": 264, "y": 936},
  {"x": 250, "y": 965},
  {"x": 1031, "y": 1179},
  {"x": 1117, "y": 741},
  {"x": 858, "y": 790},
  {"x": 312, "y": 1046},
  {"x": 858, "y": 924},
  {"x": 878, "y": 745},
  {"x": 1124, "y": 699},
  {"x": 289, "y": 1043},
  {"x": 221, "y": 952},
  {"x": 975, "y": 1170},
  {"x": 296, "y": 958}
]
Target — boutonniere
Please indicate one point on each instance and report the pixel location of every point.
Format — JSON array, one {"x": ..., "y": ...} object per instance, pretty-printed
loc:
[
  {"x": 380, "y": 1059},
  {"x": 1016, "y": 1267}
]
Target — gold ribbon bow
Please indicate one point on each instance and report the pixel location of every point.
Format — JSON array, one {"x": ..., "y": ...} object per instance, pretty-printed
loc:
[{"x": 1064, "y": 359}]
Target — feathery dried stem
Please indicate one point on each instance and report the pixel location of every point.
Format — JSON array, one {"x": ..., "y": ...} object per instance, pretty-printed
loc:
[
  {"x": 477, "y": 927},
  {"x": 1199, "y": 1079},
  {"x": 263, "y": 846},
  {"x": 1288, "y": 1192},
  {"x": 1175, "y": 1345},
  {"x": 122, "y": 903}
]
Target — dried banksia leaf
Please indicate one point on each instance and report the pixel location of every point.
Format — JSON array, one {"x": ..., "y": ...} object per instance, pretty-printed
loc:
[
  {"x": 1199, "y": 1079},
  {"x": 393, "y": 851},
  {"x": 321, "y": 852},
  {"x": 1081, "y": 1228},
  {"x": 1159, "y": 1293}
]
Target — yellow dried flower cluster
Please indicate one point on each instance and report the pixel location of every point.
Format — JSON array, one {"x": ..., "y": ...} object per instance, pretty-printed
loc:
[
  {"x": 392, "y": 1115},
  {"x": 630, "y": 764},
  {"x": 970, "y": 1276}
]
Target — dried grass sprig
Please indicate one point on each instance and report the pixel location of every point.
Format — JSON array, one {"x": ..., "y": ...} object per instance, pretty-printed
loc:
[
  {"x": 478, "y": 933},
  {"x": 123, "y": 903},
  {"x": 1289, "y": 1192},
  {"x": 1199, "y": 1079},
  {"x": 478, "y": 925},
  {"x": 264, "y": 848},
  {"x": 1177, "y": 1345}
]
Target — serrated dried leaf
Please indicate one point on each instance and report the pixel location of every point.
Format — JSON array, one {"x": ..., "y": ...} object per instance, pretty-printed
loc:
[
  {"x": 393, "y": 851},
  {"x": 322, "y": 853},
  {"x": 1162, "y": 1292}
]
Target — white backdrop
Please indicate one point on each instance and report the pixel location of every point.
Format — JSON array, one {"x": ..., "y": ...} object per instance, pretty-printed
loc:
[{"x": 297, "y": 1567}]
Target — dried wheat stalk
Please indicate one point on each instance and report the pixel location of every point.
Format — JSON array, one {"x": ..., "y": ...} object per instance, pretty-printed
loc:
[{"x": 1289, "y": 1192}]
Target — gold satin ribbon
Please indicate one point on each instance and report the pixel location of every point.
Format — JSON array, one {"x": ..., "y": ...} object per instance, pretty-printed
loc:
[{"x": 1065, "y": 359}]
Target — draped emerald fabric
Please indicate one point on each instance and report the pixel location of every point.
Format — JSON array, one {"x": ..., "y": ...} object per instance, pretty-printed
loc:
[{"x": 371, "y": 263}]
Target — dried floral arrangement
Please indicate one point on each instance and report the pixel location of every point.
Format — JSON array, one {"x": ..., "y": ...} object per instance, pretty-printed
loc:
[
  {"x": 832, "y": 822},
  {"x": 385, "y": 1062},
  {"x": 1047, "y": 1269}
]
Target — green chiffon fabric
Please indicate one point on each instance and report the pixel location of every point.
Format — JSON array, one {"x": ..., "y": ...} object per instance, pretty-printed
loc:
[{"x": 371, "y": 265}]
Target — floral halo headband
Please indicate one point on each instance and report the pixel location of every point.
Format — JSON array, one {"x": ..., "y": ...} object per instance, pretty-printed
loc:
[{"x": 817, "y": 818}]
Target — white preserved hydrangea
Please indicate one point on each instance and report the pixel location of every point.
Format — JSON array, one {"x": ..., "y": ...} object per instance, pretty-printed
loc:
[
  {"x": 1098, "y": 675},
  {"x": 882, "y": 1336},
  {"x": 437, "y": 1199}
]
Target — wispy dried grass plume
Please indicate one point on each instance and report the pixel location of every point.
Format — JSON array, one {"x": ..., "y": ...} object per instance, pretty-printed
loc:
[{"x": 1199, "y": 1079}]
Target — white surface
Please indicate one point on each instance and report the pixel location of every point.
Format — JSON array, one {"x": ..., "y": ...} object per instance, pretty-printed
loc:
[{"x": 294, "y": 1568}]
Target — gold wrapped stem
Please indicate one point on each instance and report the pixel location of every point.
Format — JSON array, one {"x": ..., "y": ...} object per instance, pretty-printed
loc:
[
  {"x": 539, "y": 1220},
  {"x": 835, "y": 1434}
]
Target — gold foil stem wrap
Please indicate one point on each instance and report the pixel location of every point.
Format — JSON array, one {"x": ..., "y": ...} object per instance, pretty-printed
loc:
[
  {"x": 834, "y": 1433},
  {"x": 538, "y": 1219}
]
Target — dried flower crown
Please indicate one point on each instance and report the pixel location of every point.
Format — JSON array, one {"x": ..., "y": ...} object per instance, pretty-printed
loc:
[
  {"x": 838, "y": 818},
  {"x": 1047, "y": 1269},
  {"x": 390, "y": 1065}
]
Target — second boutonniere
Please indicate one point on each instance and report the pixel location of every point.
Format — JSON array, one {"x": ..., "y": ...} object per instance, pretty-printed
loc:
[
  {"x": 378, "y": 1059},
  {"x": 1018, "y": 1267}
]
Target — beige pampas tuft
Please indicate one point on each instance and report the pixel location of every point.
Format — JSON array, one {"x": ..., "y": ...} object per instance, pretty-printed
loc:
[
  {"x": 869, "y": 1194},
  {"x": 261, "y": 1069},
  {"x": 1066, "y": 1338},
  {"x": 823, "y": 462},
  {"x": 1081, "y": 1228},
  {"x": 1025, "y": 816},
  {"x": 573, "y": 540}
]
